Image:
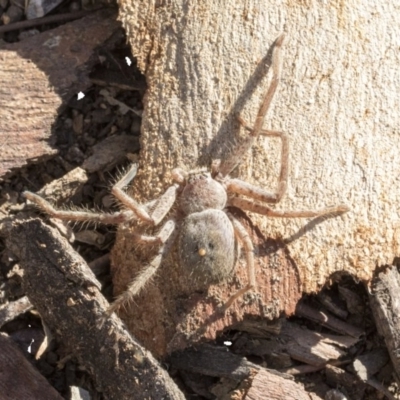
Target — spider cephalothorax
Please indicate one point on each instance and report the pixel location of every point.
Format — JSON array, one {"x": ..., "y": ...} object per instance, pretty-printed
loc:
[
  {"x": 201, "y": 192},
  {"x": 195, "y": 211}
]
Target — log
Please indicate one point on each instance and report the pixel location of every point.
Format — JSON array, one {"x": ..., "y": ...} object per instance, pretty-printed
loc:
[
  {"x": 66, "y": 294},
  {"x": 38, "y": 76},
  {"x": 204, "y": 63}
]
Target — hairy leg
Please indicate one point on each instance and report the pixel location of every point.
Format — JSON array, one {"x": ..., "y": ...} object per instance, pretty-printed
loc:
[
  {"x": 240, "y": 187},
  {"x": 247, "y": 244},
  {"x": 165, "y": 237},
  {"x": 71, "y": 215},
  {"x": 161, "y": 208},
  {"x": 234, "y": 158},
  {"x": 248, "y": 205}
]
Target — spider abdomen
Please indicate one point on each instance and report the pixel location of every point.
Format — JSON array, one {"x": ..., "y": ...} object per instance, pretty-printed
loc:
[{"x": 207, "y": 247}]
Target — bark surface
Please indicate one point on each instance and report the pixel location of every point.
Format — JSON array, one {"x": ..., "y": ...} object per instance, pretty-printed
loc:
[{"x": 338, "y": 99}]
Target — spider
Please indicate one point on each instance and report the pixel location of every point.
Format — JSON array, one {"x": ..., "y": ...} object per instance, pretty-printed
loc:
[{"x": 207, "y": 233}]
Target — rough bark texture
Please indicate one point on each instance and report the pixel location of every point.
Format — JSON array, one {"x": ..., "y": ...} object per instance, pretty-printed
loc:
[
  {"x": 337, "y": 101},
  {"x": 36, "y": 76},
  {"x": 385, "y": 305},
  {"x": 66, "y": 293},
  {"x": 18, "y": 378}
]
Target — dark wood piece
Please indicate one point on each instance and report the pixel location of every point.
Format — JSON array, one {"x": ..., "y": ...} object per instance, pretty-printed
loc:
[
  {"x": 50, "y": 19},
  {"x": 213, "y": 361},
  {"x": 330, "y": 303},
  {"x": 66, "y": 293},
  {"x": 338, "y": 377},
  {"x": 19, "y": 379},
  {"x": 327, "y": 320}
]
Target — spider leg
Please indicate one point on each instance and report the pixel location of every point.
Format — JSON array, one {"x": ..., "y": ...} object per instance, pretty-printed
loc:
[
  {"x": 240, "y": 187},
  {"x": 233, "y": 160},
  {"x": 87, "y": 216},
  {"x": 244, "y": 238},
  {"x": 166, "y": 237},
  {"x": 163, "y": 204},
  {"x": 159, "y": 208},
  {"x": 262, "y": 209}
]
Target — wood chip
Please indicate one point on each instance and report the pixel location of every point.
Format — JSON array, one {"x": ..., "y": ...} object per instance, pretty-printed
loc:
[
  {"x": 368, "y": 364},
  {"x": 66, "y": 188},
  {"x": 270, "y": 386}
]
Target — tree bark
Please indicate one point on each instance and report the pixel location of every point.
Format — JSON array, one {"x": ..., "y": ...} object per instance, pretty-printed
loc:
[{"x": 338, "y": 99}]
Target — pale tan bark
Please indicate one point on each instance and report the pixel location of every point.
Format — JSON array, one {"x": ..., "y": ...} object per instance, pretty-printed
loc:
[{"x": 338, "y": 102}]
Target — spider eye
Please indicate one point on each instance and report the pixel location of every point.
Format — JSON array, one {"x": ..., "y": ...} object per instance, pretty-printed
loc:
[{"x": 202, "y": 252}]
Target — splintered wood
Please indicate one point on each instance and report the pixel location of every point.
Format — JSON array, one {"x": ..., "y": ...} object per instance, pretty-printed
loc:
[{"x": 338, "y": 101}]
